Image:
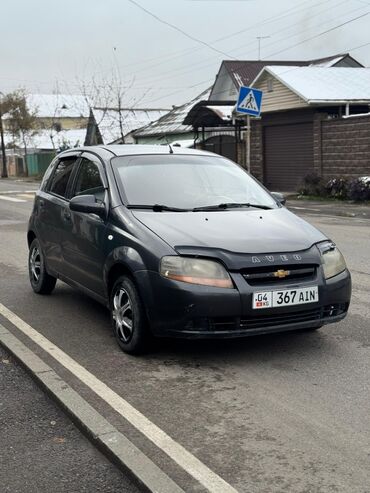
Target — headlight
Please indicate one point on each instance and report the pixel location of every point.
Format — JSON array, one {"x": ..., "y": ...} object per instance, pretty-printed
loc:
[
  {"x": 195, "y": 271},
  {"x": 333, "y": 260}
]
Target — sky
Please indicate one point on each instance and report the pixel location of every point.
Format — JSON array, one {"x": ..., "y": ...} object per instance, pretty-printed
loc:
[{"x": 170, "y": 53}]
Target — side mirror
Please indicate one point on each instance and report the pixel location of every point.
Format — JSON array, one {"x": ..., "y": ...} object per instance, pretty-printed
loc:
[
  {"x": 279, "y": 197},
  {"x": 88, "y": 204}
]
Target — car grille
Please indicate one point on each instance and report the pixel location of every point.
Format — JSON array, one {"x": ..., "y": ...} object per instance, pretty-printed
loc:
[
  {"x": 267, "y": 321},
  {"x": 259, "y": 276}
]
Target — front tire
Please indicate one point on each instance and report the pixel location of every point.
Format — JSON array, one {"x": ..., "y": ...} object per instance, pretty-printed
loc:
[
  {"x": 128, "y": 317},
  {"x": 41, "y": 281}
]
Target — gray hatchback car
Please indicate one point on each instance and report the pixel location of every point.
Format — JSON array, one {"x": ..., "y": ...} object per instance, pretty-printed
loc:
[{"x": 181, "y": 243}]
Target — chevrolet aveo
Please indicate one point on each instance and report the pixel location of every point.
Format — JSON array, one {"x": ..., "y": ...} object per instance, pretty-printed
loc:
[{"x": 181, "y": 243}]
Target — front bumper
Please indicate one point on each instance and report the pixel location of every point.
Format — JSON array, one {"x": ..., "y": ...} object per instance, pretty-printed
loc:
[{"x": 177, "y": 309}]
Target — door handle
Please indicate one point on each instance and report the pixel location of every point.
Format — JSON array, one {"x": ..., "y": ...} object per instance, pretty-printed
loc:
[{"x": 41, "y": 203}]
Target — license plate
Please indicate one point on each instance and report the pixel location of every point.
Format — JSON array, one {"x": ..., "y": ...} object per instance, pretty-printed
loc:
[{"x": 285, "y": 297}]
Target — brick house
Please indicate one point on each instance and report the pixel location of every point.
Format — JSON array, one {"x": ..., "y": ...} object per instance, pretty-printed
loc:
[
  {"x": 314, "y": 119},
  {"x": 226, "y": 136}
]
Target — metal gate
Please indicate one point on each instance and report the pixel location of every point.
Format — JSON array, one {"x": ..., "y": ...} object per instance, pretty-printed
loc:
[
  {"x": 225, "y": 145},
  {"x": 288, "y": 155}
]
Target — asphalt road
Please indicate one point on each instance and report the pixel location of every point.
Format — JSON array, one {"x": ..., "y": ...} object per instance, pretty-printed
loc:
[{"x": 280, "y": 413}]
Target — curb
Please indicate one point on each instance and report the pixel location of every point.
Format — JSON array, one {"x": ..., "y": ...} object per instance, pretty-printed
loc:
[{"x": 112, "y": 443}]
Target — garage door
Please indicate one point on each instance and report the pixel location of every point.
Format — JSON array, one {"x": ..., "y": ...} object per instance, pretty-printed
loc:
[{"x": 288, "y": 155}]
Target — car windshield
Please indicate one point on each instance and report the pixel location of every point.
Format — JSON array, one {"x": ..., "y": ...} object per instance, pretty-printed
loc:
[{"x": 187, "y": 182}]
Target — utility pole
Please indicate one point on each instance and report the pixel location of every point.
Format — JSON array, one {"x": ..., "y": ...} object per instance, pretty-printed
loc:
[
  {"x": 4, "y": 171},
  {"x": 259, "y": 44}
]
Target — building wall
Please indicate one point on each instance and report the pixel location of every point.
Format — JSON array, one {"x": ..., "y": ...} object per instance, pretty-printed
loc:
[
  {"x": 224, "y": 88},
  {"x": 257, "y": 149},
  {"x": 277, "y": 97},
  {"x": 66, "y": 123},
  {"x": 348, "y": 61},
  {"x": 342, "y": 146},
  {"x": 69, "y": 123}
]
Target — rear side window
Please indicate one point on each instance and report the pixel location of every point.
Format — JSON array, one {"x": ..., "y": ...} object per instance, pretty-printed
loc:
[{"x": 59, "y": 180}]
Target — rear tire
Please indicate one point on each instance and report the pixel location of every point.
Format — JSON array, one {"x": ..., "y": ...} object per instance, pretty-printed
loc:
[
  {"x": 129, "y": 322},
  {"x": 41, "y": 281}
]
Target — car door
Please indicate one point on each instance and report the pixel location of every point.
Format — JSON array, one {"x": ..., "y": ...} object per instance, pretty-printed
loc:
[
  {"x": 83, "y": 242},
  {"x": 52, "y": 203}
]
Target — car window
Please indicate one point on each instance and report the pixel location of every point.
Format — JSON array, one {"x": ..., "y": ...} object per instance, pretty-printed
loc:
[
  {"x": 60, "y": 178},
  {"x": 47, "y": 175},
  {"x": 88, "y": 180}
]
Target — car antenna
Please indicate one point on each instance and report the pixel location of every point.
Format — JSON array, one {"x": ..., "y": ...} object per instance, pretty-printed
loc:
[{"x": 171, "y": 150}]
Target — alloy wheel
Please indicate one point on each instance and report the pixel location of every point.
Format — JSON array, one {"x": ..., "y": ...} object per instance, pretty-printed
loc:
[
  {"x": 122, "y": 315},
  {"x": 35, "y": 264}
]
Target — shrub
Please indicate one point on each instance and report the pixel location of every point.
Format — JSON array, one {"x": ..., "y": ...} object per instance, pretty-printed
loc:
[
  {"x": 313, "y": 184},
  {"x": 337, "y": 188},
  {"x": 359, "y": 189}
]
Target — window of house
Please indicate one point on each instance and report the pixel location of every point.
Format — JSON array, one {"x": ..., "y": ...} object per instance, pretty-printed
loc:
[
  {"x": 59, "y": 180},
  {"x": 270, "y": 85}
]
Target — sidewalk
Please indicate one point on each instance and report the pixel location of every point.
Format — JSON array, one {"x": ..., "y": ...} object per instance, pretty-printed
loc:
[
  {"x": 329, "y": 207},
  {"x": 41, "y": 450}
]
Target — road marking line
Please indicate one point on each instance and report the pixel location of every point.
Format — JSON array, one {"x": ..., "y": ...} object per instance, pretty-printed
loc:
[
  {"x": 100, "y": 432},
  {"x": 26, "y": 195},
  {"x": 303, "y": 208},
  {"x": 12, "y": 199},
  {"x": 17, "y": 191},
  {"x": 187, "y": 461}
]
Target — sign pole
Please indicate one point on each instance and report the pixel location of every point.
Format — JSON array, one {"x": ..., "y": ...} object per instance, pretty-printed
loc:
[
  {"x": 248, "y": 142},
  {"x": 249, "y": 103}
]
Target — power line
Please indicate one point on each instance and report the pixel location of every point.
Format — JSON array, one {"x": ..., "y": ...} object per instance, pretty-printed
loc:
[
  {"x": 201, "y": 64},
  {"x": 169, "y": 24},
  {"x": 288, "y": 48},
  {"x": 164, "y": 59},
  {"x": 321, "y": 34},
  {"x": 358, "y": 47}
]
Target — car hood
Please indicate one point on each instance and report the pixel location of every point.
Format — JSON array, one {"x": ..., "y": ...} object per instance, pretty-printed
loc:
[{"x": 239, "y": 231}]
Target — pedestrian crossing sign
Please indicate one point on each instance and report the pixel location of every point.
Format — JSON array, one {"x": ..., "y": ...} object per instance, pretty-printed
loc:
[{"x": 249, "y": 101}]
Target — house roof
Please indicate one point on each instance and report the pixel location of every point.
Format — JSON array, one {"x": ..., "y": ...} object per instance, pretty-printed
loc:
[
  {"x": 109, "y": 121},
  {"x": 44, "y": 139},
  {"x": 58, "y": 105},
  {"x": 323, "y": 85},
  {"x": 210, "y": 114},
  {"x": 172, "y": 122},
  {"x": 243, "y": 72}
]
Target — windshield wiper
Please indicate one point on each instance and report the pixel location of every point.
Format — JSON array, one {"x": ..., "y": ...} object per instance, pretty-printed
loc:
[
  {"x": 230, "y": 205},
  {"x": 156, "y": 207}
]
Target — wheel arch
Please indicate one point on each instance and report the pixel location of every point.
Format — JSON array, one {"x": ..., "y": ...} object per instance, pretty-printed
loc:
[
  {"x": 115, "y": 271},
  {"x": 31, "y": 235}
]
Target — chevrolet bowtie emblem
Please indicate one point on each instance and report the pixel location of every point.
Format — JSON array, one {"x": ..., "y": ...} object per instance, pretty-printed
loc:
[{"x": 281, "y": 273}]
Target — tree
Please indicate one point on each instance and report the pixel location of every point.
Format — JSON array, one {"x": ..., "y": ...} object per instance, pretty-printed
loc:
[
  {"x": 109, "y": 93},
  {"x": 21, "y": 121}
]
